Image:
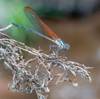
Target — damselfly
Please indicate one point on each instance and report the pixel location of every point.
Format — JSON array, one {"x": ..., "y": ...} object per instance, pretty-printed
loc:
[{"x": 47, "y": 33}]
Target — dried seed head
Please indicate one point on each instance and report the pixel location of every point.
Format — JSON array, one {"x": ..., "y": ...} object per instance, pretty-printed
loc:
[{"x": 37, "y": 71}]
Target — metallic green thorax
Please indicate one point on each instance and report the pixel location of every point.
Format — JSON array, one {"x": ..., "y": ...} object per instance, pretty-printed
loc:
[{"x": 12, "y": 11}]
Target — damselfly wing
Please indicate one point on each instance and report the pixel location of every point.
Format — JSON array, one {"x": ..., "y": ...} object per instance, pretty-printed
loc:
[{"x": 31, "y": 14}]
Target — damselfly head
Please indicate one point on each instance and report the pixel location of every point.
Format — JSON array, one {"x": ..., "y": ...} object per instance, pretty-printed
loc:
[{"x": 62, "y": 45}]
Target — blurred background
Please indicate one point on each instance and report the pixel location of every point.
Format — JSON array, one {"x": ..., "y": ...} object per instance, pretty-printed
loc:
[{"x": 78, "y": 23}]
